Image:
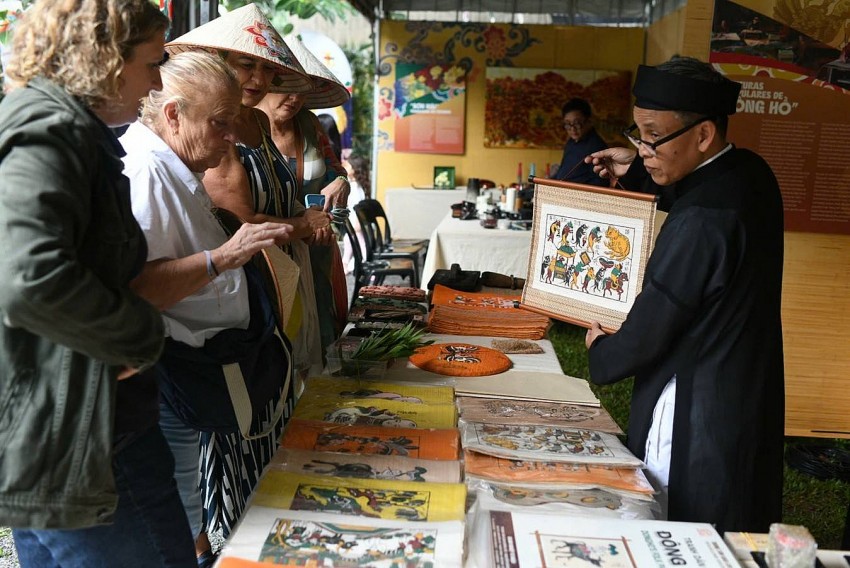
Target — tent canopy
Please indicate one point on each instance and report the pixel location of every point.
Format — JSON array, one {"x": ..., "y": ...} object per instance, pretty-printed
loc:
[{"x": 558, "y": 12}]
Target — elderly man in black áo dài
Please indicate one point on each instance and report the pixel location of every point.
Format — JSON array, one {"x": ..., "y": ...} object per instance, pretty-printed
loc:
[{"x": 704, "y": 337}]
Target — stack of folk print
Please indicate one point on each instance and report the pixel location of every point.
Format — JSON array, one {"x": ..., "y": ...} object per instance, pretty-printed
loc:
[
  {"x": 367, "y": 473},
  {"x": 492, "y": 314},
  {"x": 550, "y": 458}
]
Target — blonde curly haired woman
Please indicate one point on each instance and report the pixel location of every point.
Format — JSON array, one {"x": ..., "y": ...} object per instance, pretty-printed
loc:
[{"x": 86, "y": 477}]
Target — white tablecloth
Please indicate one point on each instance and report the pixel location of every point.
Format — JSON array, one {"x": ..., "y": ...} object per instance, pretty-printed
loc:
[
  {"x": 415, "y": 213},
  {"x": 472, "y": 246}
]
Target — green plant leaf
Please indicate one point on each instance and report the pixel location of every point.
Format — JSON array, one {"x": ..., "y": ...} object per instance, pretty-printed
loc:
[{"x": 391, "y": 343}]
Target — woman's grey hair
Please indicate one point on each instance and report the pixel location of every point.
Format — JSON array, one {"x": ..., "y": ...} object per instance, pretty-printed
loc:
[{"x": 187, "y": 78}]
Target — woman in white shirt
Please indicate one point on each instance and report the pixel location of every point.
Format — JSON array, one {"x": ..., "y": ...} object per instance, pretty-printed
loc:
[{"x": 194, "y": 269}]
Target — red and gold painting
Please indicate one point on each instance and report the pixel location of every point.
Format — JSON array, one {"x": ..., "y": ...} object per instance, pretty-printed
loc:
[{"x": 523, "y": 106}]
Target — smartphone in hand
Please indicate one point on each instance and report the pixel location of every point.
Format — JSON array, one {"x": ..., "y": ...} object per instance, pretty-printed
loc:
[{"x": 314, "y": 199}]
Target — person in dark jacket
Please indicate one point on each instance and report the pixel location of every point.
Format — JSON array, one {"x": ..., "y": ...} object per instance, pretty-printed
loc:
[
  {"x": 86, "y": 478},
  {"x": 582, "y": 141},
  {"x": 704, "y": 337}
]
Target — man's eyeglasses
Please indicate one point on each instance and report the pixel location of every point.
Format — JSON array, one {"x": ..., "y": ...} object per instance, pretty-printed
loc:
[
  {"x": 650, "y": 147},
  {"x": 577, "y": 124}
]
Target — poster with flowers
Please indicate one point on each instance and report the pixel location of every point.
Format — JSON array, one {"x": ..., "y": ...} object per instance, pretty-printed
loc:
[
  {"x": 523, "y": 106},
  {"x": 429, "y": 107}
]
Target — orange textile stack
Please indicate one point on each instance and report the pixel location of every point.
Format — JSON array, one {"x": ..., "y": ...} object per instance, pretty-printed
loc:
[{"x": 493, "y": 314}]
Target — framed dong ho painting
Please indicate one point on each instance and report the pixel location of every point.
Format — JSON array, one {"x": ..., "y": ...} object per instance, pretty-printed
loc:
[{"x": 589, "y": 249}]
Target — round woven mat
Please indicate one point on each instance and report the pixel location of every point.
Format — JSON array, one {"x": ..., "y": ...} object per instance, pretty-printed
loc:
[{"x": 460, "y": 360}]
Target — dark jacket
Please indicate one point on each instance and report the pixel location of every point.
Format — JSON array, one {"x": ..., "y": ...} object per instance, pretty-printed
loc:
[
  {"x": 68, "y": 247},
  {"x": 573, "y": 168},
  {"x": 709, "y": 313}
]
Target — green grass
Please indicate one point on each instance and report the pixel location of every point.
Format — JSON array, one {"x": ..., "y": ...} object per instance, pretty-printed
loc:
[
  {"x": 4, "y": 532},
  {"x": 818, "y": 505}
]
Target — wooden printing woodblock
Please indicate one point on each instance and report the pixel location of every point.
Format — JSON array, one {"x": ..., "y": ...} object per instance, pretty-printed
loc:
[
  {"x": 360, "y": 315},
  {"x": 394, "y": 292},
  {"x": 389, "y": 304},
  {"x": 398, "y": 314}
]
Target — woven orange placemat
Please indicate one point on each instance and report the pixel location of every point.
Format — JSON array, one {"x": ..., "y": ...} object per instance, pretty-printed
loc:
[{"x": 460, "y": 360}]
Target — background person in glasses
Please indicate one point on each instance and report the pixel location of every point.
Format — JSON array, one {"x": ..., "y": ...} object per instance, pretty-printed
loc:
[
  {"x": 581, "y": 142},
  {"x": 704, "y": 338}
]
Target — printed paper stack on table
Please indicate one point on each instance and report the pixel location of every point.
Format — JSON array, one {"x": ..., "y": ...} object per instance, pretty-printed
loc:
[
  {"x": 348, "y": 486},
  {"x": 294, "y": 538},
  {"x": 349, "y": 401},
  {"x": 553, "y": 469}
]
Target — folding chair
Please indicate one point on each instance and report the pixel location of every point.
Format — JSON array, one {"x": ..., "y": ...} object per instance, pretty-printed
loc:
[
  {"x": 368, "y": 271},
  {"x": 375, "y": 212},
  {"x": 373, "y": 237}
]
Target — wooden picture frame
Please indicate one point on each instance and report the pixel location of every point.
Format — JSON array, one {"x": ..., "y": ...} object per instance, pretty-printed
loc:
[{"x": 589, "y": 249}]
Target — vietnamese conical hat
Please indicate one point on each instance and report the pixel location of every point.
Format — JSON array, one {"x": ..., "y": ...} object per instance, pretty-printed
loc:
[
  {"x": 247, "y": 31},
  {"x": 327, "y": 91}
]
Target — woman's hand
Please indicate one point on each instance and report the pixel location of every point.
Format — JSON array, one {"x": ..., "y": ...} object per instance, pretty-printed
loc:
[
  {"x": 166, "y": 281},
  {"x": 250, "y": 239},
  {"x": 336, "y": 193},
  {"x": 612, "y": 162},
  {"x": 316, "y": 218},
  {"x": 322, "y": 237}
]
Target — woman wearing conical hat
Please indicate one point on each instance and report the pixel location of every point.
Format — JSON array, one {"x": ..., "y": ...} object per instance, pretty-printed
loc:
[
  {"x": 300, "y": 137},
  {"x": 256, "y": 183}
]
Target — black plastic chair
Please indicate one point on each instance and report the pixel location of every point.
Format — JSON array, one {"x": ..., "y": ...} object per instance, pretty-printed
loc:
[
  {"x": 376, "y": 249},
  {"x": 368, "y": 271},
  {"x": 374, "y": 211}
]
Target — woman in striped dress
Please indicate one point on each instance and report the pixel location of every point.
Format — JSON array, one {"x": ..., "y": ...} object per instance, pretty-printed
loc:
[{"x": 299, "y": 136}]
